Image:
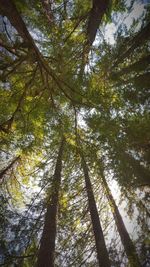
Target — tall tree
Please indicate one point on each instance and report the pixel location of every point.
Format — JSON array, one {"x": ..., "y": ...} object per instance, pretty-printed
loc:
[
  {"x": 125, "y": 238},
  {"x": 97, "y": 12},
  {"x": 46, "y": 254},
  {"x": 45, "y": 45},
  {"x": 102, "y": 253}
]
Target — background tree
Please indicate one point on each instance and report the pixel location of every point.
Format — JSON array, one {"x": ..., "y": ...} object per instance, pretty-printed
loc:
[{"x": 60, "y": 75}]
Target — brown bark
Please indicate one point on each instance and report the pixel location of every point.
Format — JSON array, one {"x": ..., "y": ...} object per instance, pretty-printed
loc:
[
  {"x": 8, "y": 9},
  {"x": 96, "y": 14},
  {"x": 47, "y": 243},
  {"x": 47, "y": 8},
  {"x": 102, "y": 254},
  {"x": 125, "y": 238}
]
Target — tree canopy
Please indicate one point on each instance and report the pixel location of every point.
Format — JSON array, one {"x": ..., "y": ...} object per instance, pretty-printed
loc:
[{"x": 75, "y": 133}]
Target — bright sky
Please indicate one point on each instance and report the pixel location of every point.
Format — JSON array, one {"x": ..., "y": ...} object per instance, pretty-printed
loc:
[{"x": 136, "y": 13}]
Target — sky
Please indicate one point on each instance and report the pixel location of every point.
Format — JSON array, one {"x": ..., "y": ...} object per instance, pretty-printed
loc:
[{"x": 136, "y": 13}]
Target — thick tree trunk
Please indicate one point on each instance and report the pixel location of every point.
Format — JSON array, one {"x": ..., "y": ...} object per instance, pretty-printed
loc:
[
  {"x": 102, "y": 253},
  {"x": 96, "y": 14},
  {"x": 125, "y": 238},
  {"x": 47, "y": 244},
  {"x": 8, "y": 9}
]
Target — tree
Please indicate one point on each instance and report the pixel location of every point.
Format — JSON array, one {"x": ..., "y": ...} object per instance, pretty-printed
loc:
[
  {"x": 125, "y": 238},
  {"x": 102, "y": 253},
  {"x": 47, "y": 243},
  {"x": 60, "y": 76}
]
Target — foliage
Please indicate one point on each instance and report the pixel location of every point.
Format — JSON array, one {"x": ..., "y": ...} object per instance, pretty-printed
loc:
[{"x": 54, "y": 83}]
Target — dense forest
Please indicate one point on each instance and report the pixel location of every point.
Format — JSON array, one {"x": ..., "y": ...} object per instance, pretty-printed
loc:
[{"x": 74, "y": 133}]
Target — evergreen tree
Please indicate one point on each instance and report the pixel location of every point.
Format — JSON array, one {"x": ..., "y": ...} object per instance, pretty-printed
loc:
[{"x": 61, "y": 76}]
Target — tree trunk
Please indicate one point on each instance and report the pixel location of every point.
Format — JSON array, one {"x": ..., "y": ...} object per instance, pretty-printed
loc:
[
  {"x": 47, "y": 244},
  {"x": 125, "y": 238},
  {"x": 96, "y": 14},
  {"x": 102, "y": 253},
  {"x": 8, "y": 9},
  {"x": 47, "y": 8}
]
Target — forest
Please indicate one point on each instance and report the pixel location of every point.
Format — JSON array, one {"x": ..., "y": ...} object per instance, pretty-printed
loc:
[{"x": 74, "y": 133}]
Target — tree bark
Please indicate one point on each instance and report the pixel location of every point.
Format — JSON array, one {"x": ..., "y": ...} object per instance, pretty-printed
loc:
[
  {"x": 8, "y": 9},
  {"x": 125, "y": 238},
  {"x": 47, "y": 8},
  {"x": 47, "y": 244},
  {"x": 102, "y": 254},
  {"x": 96, "y": 14}
]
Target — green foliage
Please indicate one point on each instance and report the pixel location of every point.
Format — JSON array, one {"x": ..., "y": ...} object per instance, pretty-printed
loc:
[{"x": 54, "y": 85}]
